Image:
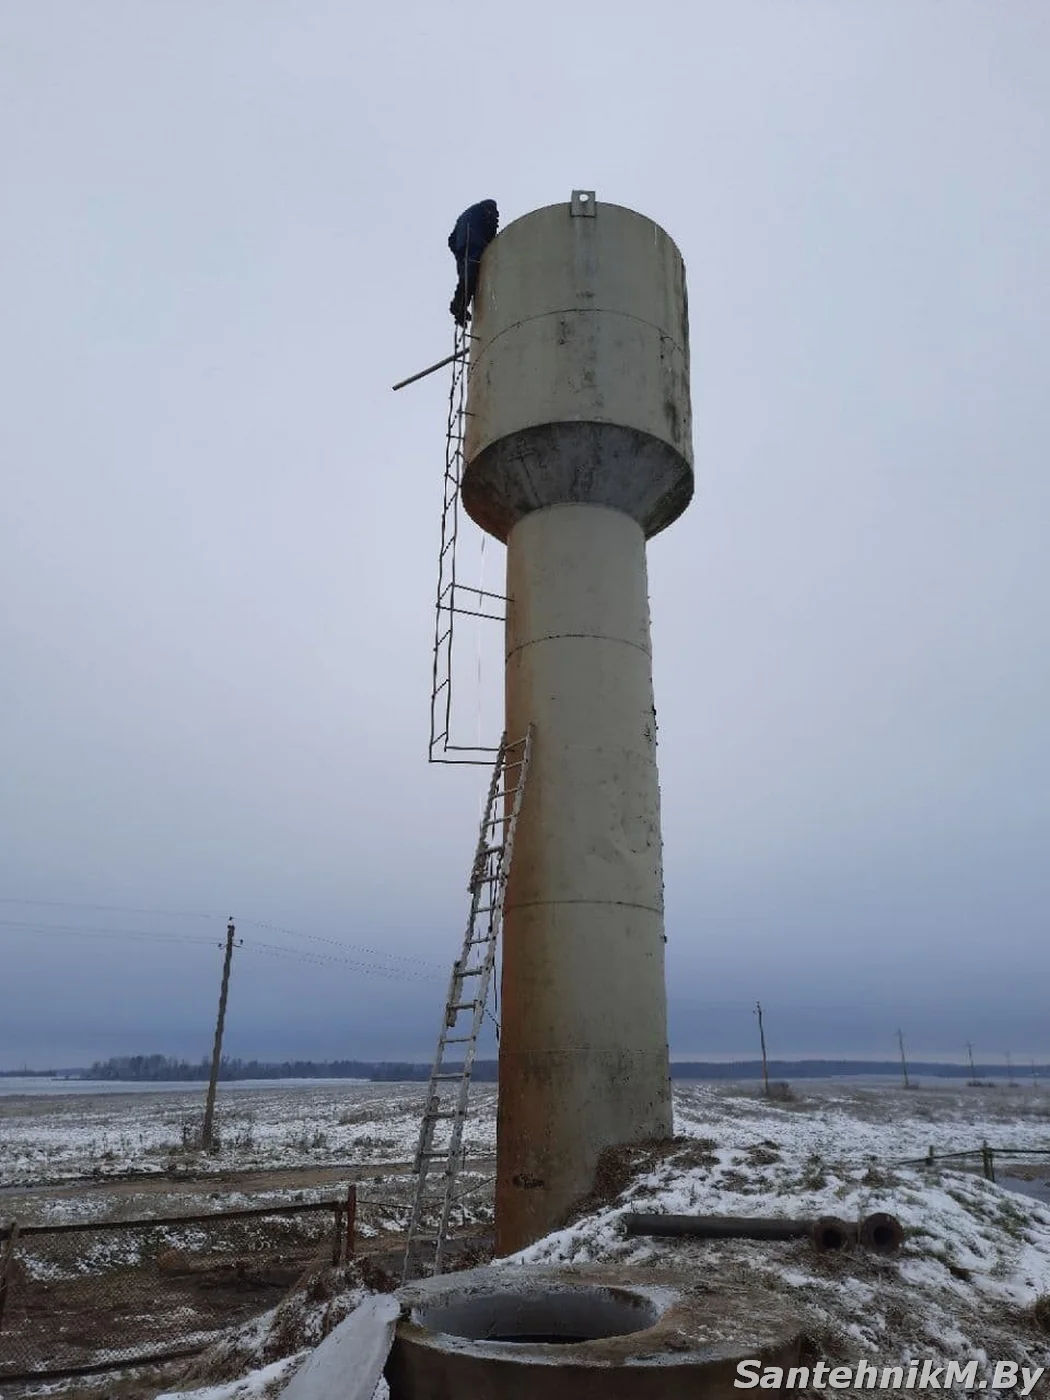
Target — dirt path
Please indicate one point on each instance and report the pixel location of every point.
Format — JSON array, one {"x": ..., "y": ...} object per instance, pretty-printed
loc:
[{"x": 223, "y": 1182}]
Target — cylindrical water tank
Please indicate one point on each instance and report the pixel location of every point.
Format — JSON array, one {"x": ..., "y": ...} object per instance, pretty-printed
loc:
[{"x": 579, "y": 383}]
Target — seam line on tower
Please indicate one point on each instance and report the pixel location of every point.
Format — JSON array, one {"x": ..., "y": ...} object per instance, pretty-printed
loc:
[
  {"x": 603, "y": 903},
  {"x": 578, "y": 637}
]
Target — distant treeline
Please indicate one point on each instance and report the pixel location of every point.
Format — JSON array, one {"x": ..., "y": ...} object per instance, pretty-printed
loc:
[
  {"x": 835, "y": 1069},
  {"x": 155, "y": 1068},
  {"x": 163, "y": 1067}
]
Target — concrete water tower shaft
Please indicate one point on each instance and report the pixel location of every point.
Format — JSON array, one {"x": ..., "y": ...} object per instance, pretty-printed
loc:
[{"x": 579, "y": 449}]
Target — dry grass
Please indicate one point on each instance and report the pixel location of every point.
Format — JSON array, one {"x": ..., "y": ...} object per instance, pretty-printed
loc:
[
  {"x": 1039, "y": 1313},
  {"x": 618, "y": 1166}
]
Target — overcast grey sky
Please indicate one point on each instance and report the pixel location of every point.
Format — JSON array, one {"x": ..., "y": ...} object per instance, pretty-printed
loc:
[{"x": 222, "y": 238}]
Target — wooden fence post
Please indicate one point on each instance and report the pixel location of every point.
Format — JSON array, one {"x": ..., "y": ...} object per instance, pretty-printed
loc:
[
  {"x": 337, "y": 1234},
  {"x": 7, "y": 1260},
  {"x": 929, "y": 1155},
  {"x": 351, "y": 1219}
]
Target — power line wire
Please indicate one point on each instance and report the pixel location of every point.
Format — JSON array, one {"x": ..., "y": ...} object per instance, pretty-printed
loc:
[
  {"x": 404, "y": 966},
  {"x": 397, "y": 974},
  {"x": 350, "y": 947},
  {"x": 109, "y": 908},
  {"x": 305, "y": 956},
  {"x": 93, "y": 932},
  {"x": 196, "y": 914}
]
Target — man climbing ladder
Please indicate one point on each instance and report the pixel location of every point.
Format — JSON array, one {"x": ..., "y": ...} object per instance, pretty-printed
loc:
[{"x": 475, "y": 229}]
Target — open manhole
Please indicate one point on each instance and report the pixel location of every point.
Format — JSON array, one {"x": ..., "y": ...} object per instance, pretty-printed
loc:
[
  {"x": 560, "y": 1315},
  {"x": 516, "y": 1332}
]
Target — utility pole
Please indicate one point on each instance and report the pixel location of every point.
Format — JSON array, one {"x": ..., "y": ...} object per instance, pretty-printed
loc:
[
  {"x": 973, "y": 1072},
  {"x": 216, "y": 1054},
  {"x": 904, "y": 1062},
  {"x": 762, "y": 1036}
]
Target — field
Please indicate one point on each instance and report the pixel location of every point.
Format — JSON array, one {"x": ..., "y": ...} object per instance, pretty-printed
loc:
[
  {"x": 968, "y": 1281},
  {"x": 113, "y": 1155}
]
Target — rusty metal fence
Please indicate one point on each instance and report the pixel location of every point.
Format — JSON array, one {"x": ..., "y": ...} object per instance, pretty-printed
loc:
[{"x": 86, "y": 1298}]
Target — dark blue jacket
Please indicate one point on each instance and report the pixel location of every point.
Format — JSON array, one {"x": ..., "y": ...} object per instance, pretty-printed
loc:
[{"x": 475, "y": 229}]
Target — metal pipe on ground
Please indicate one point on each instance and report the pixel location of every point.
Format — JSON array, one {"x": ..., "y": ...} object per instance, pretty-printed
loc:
[
  {"x": 828, "y": 1232},
  {"x": 880, "y": 1232}
]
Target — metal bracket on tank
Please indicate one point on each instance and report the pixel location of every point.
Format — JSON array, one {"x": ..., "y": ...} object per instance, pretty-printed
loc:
[{"x": 583, "y": 204}]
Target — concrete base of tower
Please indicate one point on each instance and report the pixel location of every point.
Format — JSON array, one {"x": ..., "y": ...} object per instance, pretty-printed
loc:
[
  {"x": 583, "y": 1046},
  {"x": 558, "y": 1110}
]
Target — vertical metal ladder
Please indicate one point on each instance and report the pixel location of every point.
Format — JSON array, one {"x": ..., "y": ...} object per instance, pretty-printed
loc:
[
  {"x": 440, "y": 1149},
  {"x": 453, "y": 596}
]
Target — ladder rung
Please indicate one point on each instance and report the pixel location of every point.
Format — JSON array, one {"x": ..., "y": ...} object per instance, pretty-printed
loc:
[{"x": 470, "y": 972}]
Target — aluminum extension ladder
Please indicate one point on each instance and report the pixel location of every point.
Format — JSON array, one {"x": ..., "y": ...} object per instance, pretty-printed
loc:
[{"x": 440, "y": 1148}]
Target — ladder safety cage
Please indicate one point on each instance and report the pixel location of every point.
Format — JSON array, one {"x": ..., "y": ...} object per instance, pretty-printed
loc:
[
  {"x": 453, "y": 597},
  {"x": 440, "y": 1150}
]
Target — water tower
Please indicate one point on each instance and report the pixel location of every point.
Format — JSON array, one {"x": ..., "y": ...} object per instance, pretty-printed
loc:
[{"x": 578, "y": 450}]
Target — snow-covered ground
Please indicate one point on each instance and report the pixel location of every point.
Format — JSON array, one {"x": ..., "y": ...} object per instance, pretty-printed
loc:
[
  {"x": 55, "y": 1139},
  {"x": 965, "y": 1285}
]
